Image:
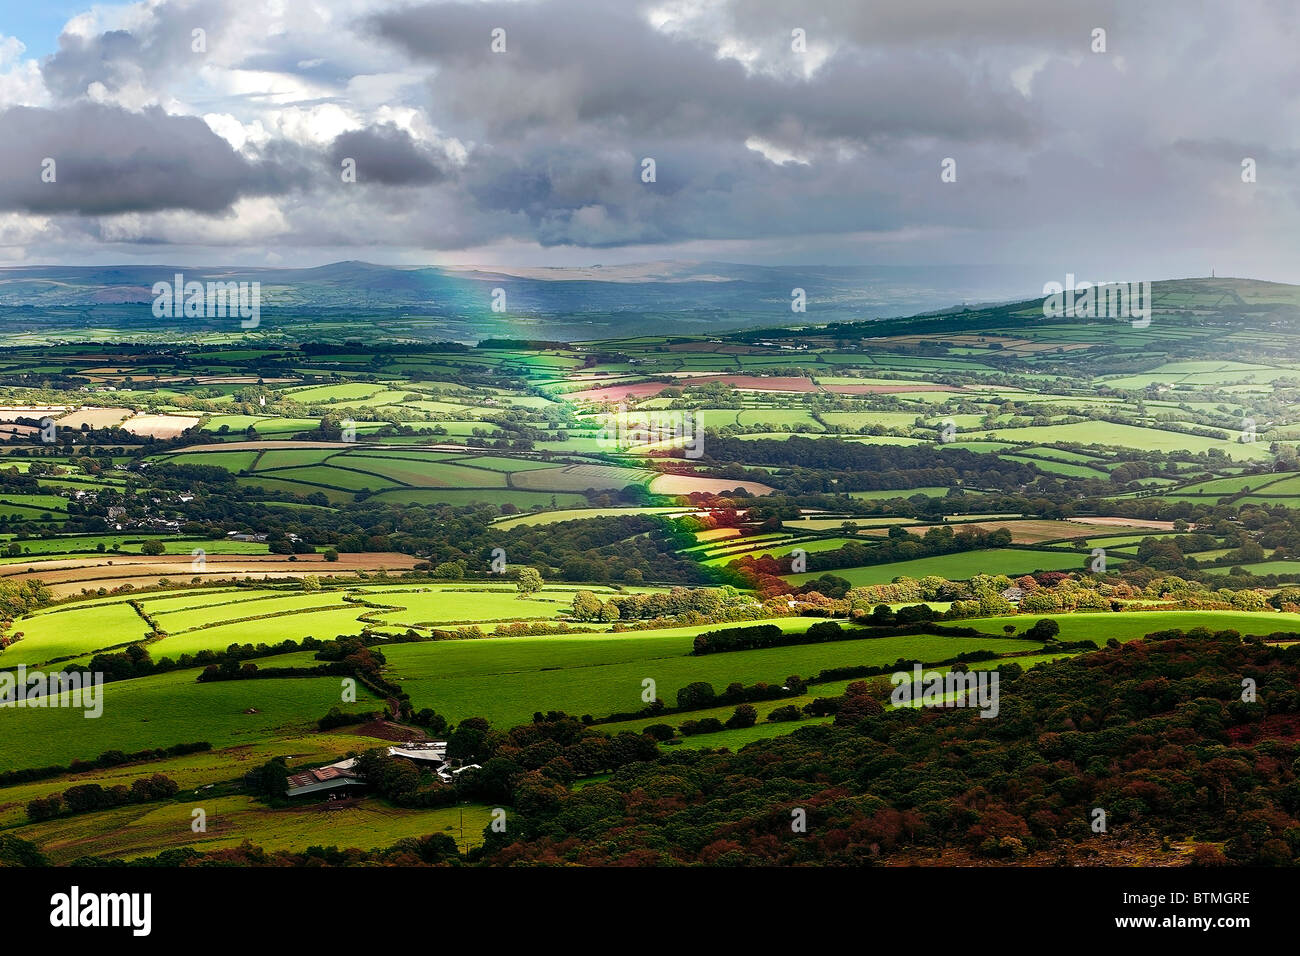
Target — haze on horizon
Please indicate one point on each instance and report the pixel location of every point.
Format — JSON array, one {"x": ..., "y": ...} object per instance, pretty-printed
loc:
[{"x": 1111, "y": 165}]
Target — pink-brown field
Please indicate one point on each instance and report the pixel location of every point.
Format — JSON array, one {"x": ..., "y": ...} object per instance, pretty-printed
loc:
[
  {"x": 688, "y": 484},
  {"x": 159, "y": 426}
]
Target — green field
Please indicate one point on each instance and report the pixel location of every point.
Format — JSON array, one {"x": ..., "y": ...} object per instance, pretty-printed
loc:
[
  {"x": 955, "y": 567},
  {"x": 505, "y": 680},
  {"x": 169, "y": 709},
  {"x": 463, "y": 446},
  {"x": 145, "y": 830}
]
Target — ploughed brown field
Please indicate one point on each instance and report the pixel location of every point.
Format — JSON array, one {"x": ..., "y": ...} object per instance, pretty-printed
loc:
[{"x": 616, "y": 393}]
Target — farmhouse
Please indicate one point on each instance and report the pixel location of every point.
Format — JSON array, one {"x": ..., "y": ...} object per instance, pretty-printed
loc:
[
  {"x": 434, "y": 752},
  {"x": 1013, "y": 594}
]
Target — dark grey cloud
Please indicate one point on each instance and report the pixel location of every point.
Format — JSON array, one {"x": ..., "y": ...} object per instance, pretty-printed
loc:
[
  {"x": 109, "y": 160},
  {"x": 582, "y": 192},
  {"x": 82, "y": 61},
  {"x": 1108, "y": 164},
  {"x": 563, "y": 118},
  {"x": 570, "y": 63},
  {"x": 1061, "y": 26},
  {"x": 163, "y": 46},
  {"x": 390, "y": 156}
]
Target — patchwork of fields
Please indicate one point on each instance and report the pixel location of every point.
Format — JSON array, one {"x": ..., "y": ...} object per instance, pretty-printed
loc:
[
  {"x": 432, "y": 476},
  {"x": 504, "y": 679},
  {"x": 217, "y": 503}
]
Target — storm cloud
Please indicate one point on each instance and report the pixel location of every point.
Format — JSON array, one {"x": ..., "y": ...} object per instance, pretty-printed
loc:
[
  {"x": 97, "y": 160},
  {"x": 1090, "y": 136},
  {"x": 388, "y": 155}
]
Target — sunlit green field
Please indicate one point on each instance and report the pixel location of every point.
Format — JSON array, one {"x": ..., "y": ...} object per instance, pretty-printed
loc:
[
  {"x": 959, "y": 566},
  {"x": 167, "y": 709},
  {"x": 148, "y": 829}
]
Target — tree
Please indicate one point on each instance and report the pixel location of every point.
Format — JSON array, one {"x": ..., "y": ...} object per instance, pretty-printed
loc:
[
  {"x": 744, "y": 716},
  {"x": 331, "y": 554},
  {"x": 470, "y": 740},
  {"x": 585, "y": 607},
  {"x": 994, "y": 605},
  {"x": 696, "y": 695},
  {"x": 270, "y": 779},
  {"x": 1044, "y": 629},
  {"x": 528, "y": 581},
  {"x": 42, "y": 808},
  {"x": 153, "y": 547},
  {"x": 311, "y": 583}
]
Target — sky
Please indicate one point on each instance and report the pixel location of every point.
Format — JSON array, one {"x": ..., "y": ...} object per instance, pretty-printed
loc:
[{"x": 1095, "y": 138}]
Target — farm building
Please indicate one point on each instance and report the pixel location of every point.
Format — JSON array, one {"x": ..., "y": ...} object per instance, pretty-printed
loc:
[
  {"x": 434, "y": 752},
  {"x": 322, "y": 780},
  {"x": 342, "y": 776}
]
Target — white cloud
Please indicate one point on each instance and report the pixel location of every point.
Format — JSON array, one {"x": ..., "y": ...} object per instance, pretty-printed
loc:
[
  {"x": 250, "y": 220},
  {"x": 20, "y": 79},
  {"x": 773, "y": 153}
]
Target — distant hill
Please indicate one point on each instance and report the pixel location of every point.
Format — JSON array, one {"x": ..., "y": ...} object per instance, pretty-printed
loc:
[
  {"x": 426, "y": 303},
  {"x": 551, "y": 303}
]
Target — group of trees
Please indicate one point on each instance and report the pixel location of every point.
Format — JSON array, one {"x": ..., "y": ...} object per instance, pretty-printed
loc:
[
  {"x": 685, "y": 605},
  {"x": 88, "y": 797},
  {"x": 830, "y": 466},
  {"x": 1044, "y": 592},
  {"x": 1155, "y": 732}
]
